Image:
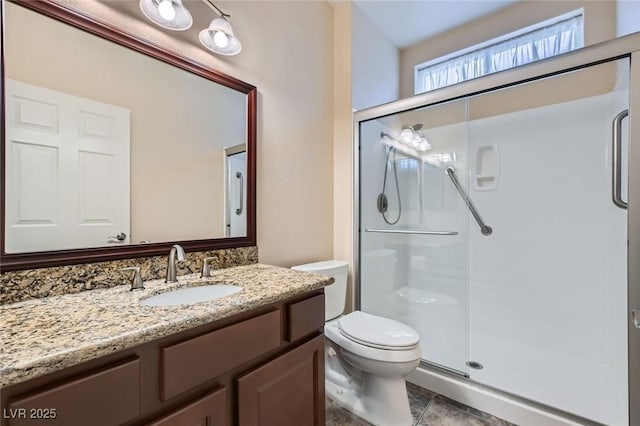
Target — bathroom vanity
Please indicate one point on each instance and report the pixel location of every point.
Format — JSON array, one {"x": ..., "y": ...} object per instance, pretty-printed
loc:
[{"x": 103, "y": 358}]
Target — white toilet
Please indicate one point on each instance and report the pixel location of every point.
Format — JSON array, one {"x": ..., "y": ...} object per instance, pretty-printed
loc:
[{"x": 366, "y": 356}]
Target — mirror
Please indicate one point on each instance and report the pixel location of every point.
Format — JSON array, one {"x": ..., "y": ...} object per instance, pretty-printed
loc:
[{"x": 116, "y": 148}]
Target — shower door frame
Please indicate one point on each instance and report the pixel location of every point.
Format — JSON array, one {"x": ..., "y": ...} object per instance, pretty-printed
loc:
[{"x": 623, "y": 47}]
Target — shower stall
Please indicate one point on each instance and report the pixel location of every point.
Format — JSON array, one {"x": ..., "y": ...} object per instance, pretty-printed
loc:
[{"x": 500, "y": 218}]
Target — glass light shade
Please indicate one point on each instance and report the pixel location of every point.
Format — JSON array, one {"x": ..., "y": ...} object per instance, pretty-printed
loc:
[
  {"x": 220, "y": 39},
  {"x": 406, "y": 135},
  {"x": 166, "y": 10},
  {"x": 214, "y": 42},
  {"x": 181, "y": 21},
  {"x": 424, "y": 146}
]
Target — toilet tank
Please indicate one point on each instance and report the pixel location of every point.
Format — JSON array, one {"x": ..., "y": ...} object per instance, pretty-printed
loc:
[{"x": 336, "y": 293}]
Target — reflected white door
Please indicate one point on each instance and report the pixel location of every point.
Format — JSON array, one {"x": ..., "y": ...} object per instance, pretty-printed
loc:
[
  {"x": 67, "y": 165},
  {"x": 236, "y": 195}
]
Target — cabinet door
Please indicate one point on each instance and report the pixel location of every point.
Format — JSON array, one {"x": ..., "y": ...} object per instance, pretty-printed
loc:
[
  {"x": 286, "y": 391},
  {"x": 209, "y": 410}
]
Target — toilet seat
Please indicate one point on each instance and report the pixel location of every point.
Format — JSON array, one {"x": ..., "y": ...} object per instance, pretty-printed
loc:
[
  {"x": 378, "y": 332},
  {"x": 392, "y": 355}
]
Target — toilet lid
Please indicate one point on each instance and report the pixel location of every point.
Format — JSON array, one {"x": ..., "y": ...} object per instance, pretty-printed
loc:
[{"x": 377, "y": 331}]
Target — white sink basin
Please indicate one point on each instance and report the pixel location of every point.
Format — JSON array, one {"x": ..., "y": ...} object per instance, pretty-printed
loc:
[{"x": 185, "y": 296}]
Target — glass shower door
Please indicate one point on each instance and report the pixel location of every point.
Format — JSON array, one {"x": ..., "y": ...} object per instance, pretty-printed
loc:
[
  {"x": 547, "y": 290},
  {"x": 413, "y": 227}
]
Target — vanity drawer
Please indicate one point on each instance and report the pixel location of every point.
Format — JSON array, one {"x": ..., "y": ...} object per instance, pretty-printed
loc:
[
  {"x": 210, "y": 410},
  {"x": 188, "y": 364},
  {"x": 305, "y": 317},
  {"x": 106, "y": 397}
]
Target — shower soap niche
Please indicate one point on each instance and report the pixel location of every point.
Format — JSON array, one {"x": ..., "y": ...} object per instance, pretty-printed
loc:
[{"x": 487, "y": 168}]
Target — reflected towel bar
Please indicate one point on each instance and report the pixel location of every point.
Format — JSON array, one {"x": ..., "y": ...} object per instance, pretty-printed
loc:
[
  {"x": 486, "y": 230},
  {"x": 410, "y": 231}
]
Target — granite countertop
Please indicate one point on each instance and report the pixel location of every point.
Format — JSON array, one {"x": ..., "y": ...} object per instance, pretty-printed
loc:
[{"x": 45, "y": 335}]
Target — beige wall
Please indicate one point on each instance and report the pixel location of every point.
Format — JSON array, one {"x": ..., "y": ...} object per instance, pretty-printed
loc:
[
  {"x": 599, "y": 25},
  {"x": 628, "y": 17},
  {"x": 180, "y": 123},
  {"x": 342, "y": 137},
  {"x": 374, "y": 69},
  {"x": 287, "y": 53}
]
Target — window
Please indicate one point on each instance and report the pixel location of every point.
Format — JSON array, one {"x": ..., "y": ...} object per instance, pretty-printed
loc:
[{"x": 559, "y": 35}]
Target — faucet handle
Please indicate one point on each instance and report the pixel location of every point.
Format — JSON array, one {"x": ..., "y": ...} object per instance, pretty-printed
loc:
[
  {"x": 136, "y": 283},
  {"x": 206, "y": 267}
]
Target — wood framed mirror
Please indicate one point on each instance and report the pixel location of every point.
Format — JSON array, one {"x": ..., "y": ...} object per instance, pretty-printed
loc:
[{"x": 114, "y": 147}]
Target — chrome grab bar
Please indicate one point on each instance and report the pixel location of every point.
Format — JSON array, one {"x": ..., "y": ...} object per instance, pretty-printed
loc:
[
  {"x": 616, "y": 156},
  {"x": 484, "y": 229},
  {"x": 410, "y": 231},
  {"x": 239, "y": 209}
]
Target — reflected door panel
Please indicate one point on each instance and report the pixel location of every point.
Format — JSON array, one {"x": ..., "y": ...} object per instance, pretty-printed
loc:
[
  {"x": 67, "y": 171},
  {"x": 236, "y": 195}
]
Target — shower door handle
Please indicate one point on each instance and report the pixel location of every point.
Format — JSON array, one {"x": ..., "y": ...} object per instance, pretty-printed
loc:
[{"x": 616, "y": 154}]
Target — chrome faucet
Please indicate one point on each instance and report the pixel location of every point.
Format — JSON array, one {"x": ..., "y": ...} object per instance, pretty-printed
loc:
[{"x": 171, "y": 264}]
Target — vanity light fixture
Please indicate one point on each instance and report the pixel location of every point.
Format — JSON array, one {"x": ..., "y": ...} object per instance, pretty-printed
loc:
[
  {"x": 218, "y": 37},
  {"x": 169, "y": 14}
]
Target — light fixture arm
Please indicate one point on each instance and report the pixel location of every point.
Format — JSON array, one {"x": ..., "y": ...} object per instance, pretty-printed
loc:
[{"x": 216, "y": 9}]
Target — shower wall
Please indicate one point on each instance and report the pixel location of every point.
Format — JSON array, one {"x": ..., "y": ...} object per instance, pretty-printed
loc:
[{"x": 537, "y": 308}]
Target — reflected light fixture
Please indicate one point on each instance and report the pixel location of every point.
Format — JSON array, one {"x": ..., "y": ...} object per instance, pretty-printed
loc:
[
  {"x": 412, "y": 137},
  {"x": 412, "y": 143},
  {"x": 169, "y": 14},
  {"x": 218, "y": 37}
]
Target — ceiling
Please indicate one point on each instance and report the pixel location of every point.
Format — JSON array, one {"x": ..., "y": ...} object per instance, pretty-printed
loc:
[{"x": 407, "y": 22}]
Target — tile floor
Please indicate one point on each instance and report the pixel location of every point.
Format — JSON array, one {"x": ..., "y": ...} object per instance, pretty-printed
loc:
[{"x": 427, "y": 408}]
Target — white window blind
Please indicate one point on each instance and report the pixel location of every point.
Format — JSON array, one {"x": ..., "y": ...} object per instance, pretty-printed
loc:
[{"x": 509, "y": 51}]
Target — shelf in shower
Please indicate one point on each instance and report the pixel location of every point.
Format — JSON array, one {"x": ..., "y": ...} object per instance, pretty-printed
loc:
[{"x": 411, "y": 231}]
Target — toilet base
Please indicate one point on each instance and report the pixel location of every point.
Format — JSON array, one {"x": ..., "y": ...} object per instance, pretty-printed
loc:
[{"x": 379, "y": 400}]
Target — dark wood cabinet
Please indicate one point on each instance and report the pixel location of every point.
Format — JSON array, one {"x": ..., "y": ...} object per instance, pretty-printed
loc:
[
  {"x": 260, "y": 367},
  {"x": 286, "y": 391},
  {"x": 206, "y": 411},
  {"x": 305, "y": 317},
  {"x": 189, "y": 363},
  {"x": 82, "y": 400}
]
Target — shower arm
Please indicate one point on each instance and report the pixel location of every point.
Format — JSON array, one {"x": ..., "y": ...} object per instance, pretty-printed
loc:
[{"x": 484, "y": 229}]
